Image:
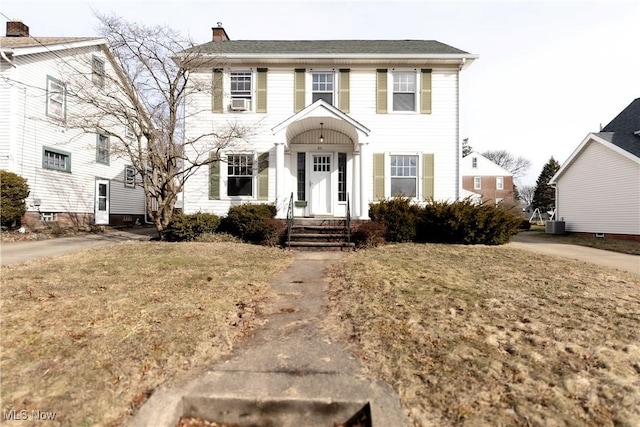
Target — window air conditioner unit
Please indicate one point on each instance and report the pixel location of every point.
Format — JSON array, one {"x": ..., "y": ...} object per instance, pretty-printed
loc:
[{"x": 239, "y": 104}]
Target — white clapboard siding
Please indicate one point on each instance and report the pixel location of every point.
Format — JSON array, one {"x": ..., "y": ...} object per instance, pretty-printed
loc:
[
  {"x": 28, "y": 130},
  {"x": 600, "y": 192},
  {"x": 435, "y": 133}
]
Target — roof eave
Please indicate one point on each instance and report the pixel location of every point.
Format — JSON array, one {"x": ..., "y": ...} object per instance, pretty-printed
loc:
[
  {"x": 30, "y": 50},
  {"x": 461, "y": 61}
]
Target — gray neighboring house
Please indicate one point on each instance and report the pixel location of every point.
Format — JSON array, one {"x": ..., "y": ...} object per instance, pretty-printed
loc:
[{"x": 598, "y": 187}]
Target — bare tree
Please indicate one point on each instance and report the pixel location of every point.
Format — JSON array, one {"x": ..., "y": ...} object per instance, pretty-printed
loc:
[
  {"x": 466, "y": 148},
  {"x": 526, "y": 193},
  {"x": 141, "y": 107},
  {"x": 518, "y": 166}
]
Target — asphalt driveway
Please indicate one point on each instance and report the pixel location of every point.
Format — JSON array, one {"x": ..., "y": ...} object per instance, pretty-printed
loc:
[{"x": 19, "y": 252}]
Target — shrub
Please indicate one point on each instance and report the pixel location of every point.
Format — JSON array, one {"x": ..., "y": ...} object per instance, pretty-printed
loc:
[
  {"x": 525, "y": 225},
  {"x": 14, "y": 190},
  {"x": 183, "y": 227},
  {"x": 468, "y": 223},
  {"x": 253, "y": 223},
  {"x": 398, "y": 216},
  {"x": 368, "y": 235}
]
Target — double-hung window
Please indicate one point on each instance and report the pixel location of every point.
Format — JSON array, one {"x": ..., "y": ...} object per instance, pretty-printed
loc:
[
  {"x": 404, "y": 91},
  {"x": 97, "y": 71},
  {"x": 240, "y": 175},
  {"x": 56, "y": 159},
  {"x": 322, "y": 86},
  {"x": 241, "y": 90},
  {"x": 474, "y": 162},
  {"x": 499, "y": 183},
  {"x": 56, "y": 98},
  {"x": 102, "y": 148},
  {"x": 404, "y": 175},
  {"x": 129, "y": 176},
  {"x": 477, "y": 183}
]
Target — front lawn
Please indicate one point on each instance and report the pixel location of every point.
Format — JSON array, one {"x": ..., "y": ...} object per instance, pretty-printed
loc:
[
  {"x": 489, "y": 336},
  {"x": 90, "y": 335}
]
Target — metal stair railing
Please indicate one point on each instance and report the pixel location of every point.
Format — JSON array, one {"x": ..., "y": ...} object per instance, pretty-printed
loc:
[
  {"x": 348, "y": 220},
  {"x": 289, "y": 221}
]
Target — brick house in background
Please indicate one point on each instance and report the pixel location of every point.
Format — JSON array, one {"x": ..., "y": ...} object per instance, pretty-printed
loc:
[{"x": 485, "y": 178}]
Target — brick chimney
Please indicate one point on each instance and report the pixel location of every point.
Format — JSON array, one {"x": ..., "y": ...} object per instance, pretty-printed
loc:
[
  {"x": 219, "y": 34},
  {"x": 17, "y": 28}
]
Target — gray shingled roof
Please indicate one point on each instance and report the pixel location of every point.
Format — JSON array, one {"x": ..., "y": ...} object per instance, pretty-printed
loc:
[
  {"x": 17, "y": 42},
  {"x": 337, "y": 47},
  {"x": 621, "y": 130}
]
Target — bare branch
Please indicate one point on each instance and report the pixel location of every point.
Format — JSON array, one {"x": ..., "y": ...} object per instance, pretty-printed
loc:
[{"x": 141, "y": 106}]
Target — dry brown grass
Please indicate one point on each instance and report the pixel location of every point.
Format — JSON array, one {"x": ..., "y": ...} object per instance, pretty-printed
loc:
[
  {"x": 90, "y": 335},
  {"x": 493, "y": 336}
]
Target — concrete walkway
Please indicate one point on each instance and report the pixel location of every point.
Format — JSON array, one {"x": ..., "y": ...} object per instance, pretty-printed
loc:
[
  {"x": 290, "y": 372},
  {"x": 531, "y": 242}
]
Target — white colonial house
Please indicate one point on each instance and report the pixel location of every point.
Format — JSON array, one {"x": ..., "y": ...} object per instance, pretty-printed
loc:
[
  {"x": 333, "y": 120},
  {"x": 598, "y": 186},
  {"x": 74, "y": 176}
]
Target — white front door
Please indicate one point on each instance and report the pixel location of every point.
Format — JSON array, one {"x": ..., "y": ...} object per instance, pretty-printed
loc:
[
  {"x": 320, "y": 184},
  {"x": 101, "y": 211}
]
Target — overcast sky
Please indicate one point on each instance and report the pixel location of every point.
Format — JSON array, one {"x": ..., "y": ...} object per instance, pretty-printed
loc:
[{"x": 549, "y": 72}]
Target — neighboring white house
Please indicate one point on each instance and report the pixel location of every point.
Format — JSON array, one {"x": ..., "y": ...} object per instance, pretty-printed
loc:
[
  {"x": 333, "y": 120},
  {"x": 74, "y": 176},
  {"x": 481, "y": 176},
  {"x": 598, "y": 187}
]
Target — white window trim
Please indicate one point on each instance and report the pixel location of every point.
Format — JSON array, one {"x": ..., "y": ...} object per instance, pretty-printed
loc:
[
  {"x": 500, "y": 180},
  {"x": 229, "y": 97},
  {"x": 99, "y": 136},
  {"x": 309, "y": 83},
  {"x": 477, "y": 183},
  {"x": 224, "y": 176},
  {"x": 390, "y": 91},
  {"x": 387, "y": 172},
  {"x": 474, "y": 162},
  {"x": 52, "y": 80}
]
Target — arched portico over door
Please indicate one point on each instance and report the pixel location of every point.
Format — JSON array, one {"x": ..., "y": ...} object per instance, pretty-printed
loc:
[{"x": 322, "y": 163}]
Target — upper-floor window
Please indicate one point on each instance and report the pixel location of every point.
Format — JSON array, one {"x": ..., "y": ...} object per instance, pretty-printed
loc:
[
  {"x": 499, "y": 183},
  {"x": 476, "y": 183},
  {"x": 56, "y": 98},
  {"x": 404, "y": 91},
  {"x": 102, "y": 148},
  {"x": 129, "y": 176},
  {"x": 56, "y": 159},
  {"x": 97, "y": 71},
  {"x": 240, "y": 175},
  {"x": 322, "y": 86},
  {"x": 404, "y": 176},
  {"x": 241, "y": 90},
  {"x": 474, "y": 162}
]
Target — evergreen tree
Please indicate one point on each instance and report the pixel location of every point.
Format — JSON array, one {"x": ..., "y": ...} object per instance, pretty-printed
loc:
[
  {"x": 14, "y": 191},
  {"x": 544, "y": 198}
]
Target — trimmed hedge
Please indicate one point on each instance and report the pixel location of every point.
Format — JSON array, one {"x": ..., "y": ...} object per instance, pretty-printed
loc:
[
  {"x": 443, "y": 222},
  {"x": 467, "y": 223},
  {"x": 368, "y": 235},
  {"x": 184, "y": 228},
  {"x": 254, "y": 223},
  {"x": 399, "y": 217}
]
